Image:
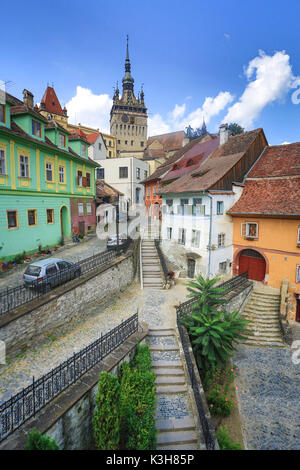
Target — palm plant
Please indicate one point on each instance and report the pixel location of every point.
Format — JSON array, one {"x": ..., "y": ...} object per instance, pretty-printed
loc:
[{"x": 205, "y": 292}]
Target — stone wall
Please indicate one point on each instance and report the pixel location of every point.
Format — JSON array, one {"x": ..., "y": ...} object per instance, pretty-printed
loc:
[
  {"x": 239, "y": 301},
  {"x": 30, "y": 322}
]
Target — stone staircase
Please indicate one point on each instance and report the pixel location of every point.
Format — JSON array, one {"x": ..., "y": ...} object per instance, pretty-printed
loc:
[
  {"x": 151, "y": 268},
  {"x": 262, "y": 310},
  {"x": 174, "y": 417}
]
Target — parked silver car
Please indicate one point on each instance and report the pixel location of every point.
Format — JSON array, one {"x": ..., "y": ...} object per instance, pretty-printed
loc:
[
  {"x": 51, "y": 272},
  {"x": 112, "y": 241}
]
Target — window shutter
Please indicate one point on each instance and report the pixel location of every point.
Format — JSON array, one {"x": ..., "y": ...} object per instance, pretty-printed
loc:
[
  {"x": 84, "y": 181},
  {"x": 164, "y": 209},
  {"x": 243, "y": 229},
  {"x": 189, "y": 209}
]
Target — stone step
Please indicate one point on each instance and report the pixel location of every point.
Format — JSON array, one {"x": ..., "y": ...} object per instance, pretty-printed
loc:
[
  {"x": 193, "y": 446},
  {"x": 161, "y": 332},
  {"x": 262, "y": 340},
  {"x": 170, "y": 380},
  {"x": 167, "y": 364},
  {"x": 172, "y": 424},
  {"x": 260, "y": 312},
  {"x": 265, "y": 294},
  {"x": 163, "y": 347},
  {"x": 154, "y": 268},
  {"x": 166, "y": 372},
  {"x": 264, "y": 334},
  {"x": 176, "y": 437},
  {"x": 171, "y": 389}
]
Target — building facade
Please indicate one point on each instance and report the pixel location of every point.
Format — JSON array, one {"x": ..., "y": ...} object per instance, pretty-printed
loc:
[
  {"x": 39, "y": 167},
  {"x": 128, "y": 117}
]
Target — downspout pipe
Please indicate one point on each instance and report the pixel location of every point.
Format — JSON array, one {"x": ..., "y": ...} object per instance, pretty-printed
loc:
[{"x": 210, "y": 234}]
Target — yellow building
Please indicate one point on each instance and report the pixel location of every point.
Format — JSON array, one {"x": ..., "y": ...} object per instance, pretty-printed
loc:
[{"x": 266, "y": 223}]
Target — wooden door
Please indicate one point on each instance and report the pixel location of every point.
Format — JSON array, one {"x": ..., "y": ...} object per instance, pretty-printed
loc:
[
  {"x": 191, "y": 268},
  {"x": 254, "y": 263},
  {"x": 298, "y": 311},
  {"x": 81, "y": 228}
]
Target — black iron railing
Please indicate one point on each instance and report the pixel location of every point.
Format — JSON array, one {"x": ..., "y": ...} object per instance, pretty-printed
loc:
[
  {"x": 161, "y": 258},
  {"x": 12, "y": 298},
  {"x": 208, "y": 434},
  {"x": 230, "y": 287},
  {"x": 25, "y": 404}
]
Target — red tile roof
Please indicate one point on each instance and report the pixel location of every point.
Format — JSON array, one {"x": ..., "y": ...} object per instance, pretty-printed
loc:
[
  {"x": 51, "y": 102},
  {"x": 170, "y": 141},
  {"x": 216, "y": 166},
  {"x": 273, "y": 185},
  {"x": 91, "y": 138},
  {"x": 269, "y": 197},
  {"x": 104, "y": 189},
  {"x": 78, "y": 134}
]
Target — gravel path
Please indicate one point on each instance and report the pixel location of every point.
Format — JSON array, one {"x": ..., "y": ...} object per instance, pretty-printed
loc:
[
  {"x": 154, "y": 307},
  {"x": 269, "y": 389}
]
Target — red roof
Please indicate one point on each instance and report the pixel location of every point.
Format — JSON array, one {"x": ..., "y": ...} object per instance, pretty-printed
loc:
[
  {"x": 51, "y": 102},
  {"x": 194, "y": 157},
  {"x": 91, "y": 138},
  {"x": 170, "y": 141},
  {"x": 273, "y": 185}
]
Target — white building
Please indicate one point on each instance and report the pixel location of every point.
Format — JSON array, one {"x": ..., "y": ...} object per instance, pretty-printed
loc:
[
  {"x": 97, "y": 148},
  {"x": 196, "y": 232},
  {"x": 125, "y": 174}
]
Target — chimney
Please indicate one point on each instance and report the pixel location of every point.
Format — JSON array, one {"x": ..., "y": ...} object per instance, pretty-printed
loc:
[
  {"x": 28, "y": 98},
  {"x": 224, "y": 134},
  {"x": 65, "y": 112}
]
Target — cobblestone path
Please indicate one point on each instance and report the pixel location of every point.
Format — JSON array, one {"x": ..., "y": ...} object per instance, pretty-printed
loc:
[{"x": 269, "y": 389}]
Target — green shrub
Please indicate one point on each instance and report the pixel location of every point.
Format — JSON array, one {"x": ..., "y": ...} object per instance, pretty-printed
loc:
[
  {"x": 137, "y": 403},
  {"x": 37, "y": 441},
  {"x": 225, "y": 442},
  {"x": 106, "y": 415},
  {"x": 219, "y": 404}
]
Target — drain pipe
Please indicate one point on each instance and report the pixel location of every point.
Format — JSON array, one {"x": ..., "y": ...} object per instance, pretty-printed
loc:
[{"x": 210, "y": 233}]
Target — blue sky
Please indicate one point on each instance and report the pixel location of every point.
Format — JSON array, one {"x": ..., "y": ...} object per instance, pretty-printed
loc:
[{"x": 222, "y": 60}]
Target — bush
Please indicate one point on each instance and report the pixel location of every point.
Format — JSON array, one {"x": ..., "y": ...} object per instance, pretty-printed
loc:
[
  {"x": 37, "y": 441},
  {"x": 219, "y": 404},
  {"x": 225, "y": 442},
  {"x": 106, "y": 415},
  {"x": 137, "y": 403}
]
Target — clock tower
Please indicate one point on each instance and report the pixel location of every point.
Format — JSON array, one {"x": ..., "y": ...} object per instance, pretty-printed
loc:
[{"x": 128, "y": 117}]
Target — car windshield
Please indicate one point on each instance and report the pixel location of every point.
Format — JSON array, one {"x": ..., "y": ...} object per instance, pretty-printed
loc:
[{"x": 33, "y": 270}]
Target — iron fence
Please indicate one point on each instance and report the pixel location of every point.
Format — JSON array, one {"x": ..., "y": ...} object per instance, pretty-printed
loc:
[
  {"x": 14, "y": 297},
  {"x": 25, "y": 404},
  {"x": 229, "y": 286},
  {"x": 206, "y": 426},
  {"x": 162, "y": 258}
]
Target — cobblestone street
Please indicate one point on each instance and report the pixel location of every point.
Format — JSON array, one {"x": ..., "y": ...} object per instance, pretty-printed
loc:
[
  {"x": 268, "y": 388},
  {"x": 154, "y": 307}
]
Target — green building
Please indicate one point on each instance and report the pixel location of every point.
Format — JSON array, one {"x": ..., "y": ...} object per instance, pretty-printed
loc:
[{"x": 47, "y": 183}]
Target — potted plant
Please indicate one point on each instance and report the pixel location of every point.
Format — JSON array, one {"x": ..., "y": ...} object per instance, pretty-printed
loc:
[{"x": 171, "y": 277}]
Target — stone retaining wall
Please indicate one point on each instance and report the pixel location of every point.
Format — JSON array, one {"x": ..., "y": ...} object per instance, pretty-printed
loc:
[
  {"x": 27, "y": 324},
  {"x": 239, "y": 301}
]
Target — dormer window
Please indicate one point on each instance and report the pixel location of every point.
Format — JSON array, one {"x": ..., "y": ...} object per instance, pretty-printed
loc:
[
  {"x": 175, "y": 167},
  {"x": 250, "y": 230},
  {"x": 36, "y": 128},
  {"x": 2, "y": 113},
  {"x": 62, "y": 140},
  {"x": 83, "y": 149},
  {"x": 190, "y": 162}
]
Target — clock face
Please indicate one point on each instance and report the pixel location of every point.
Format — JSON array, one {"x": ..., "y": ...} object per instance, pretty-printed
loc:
[{"x": 124, "y": 118}]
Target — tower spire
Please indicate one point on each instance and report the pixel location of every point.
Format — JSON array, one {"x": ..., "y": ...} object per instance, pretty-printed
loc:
[{"x": 127, "y": 79}]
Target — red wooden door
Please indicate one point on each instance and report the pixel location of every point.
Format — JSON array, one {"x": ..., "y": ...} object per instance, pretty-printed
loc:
[
  {"x": 254, "y": 263},
  {"x": 298, "y": 311}
]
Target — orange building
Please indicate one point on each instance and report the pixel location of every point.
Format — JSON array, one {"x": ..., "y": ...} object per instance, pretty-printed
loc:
[{"x": 266, "y": 222}]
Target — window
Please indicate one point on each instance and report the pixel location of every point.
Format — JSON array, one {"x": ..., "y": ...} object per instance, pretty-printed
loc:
[
  {"x": 145, "y": 174},
  {"x": 154, "y": 190},
  {"x": 148, "y": 191},
  {"x": 123, "y": 172},
  {"x": 49, "y": 171},
  {"x": 221, "y": 240},
  {"x": 109, "y": 143},
  {"x": 183, "y": 202},
  {"x": 61, "y": 174},
  {"x": 109, "y": 154},
  {"x": 169, "y": 203},
  {"x": 2, "y": 113},
  {"x": 62, "y": 140},
  {"x": 131, "y": 142},
  {"x": 298, "y": 273},
  {"x": 298, "y": 241},
  {"x": 50, "y": 216},
  {"x": 126, "y": 142},
  {"x": 12, "y": 219},
  {"x": 100, "y": 173},
  {"x": 196, "y": 238},
  {"x": 99, "y": 145},
  {"x": 2, "y": 162},
  {"x": 83, "y": 149},
  {"x": 249, "y": 230},
  {"x": 63, "y": 265},
  {"x": 51, "y": 270},
  {"x": 80, "y": 208},
  {"x": 88, "y": 180},
  {"x": 119, "y": 141},
  {"x": 88, "y": 208},
  {"x": 36, "y": 128},
  {"x": 220, "y": 207},
  {"x": 223, "y": 267},
  {"x": 79, "y": 178},
  {"x": 169, "y": 233},
  {"x": 181, "y": 236},
  {"x": 24, "y": 166},
  {"x": 138, "y": 173},
  {"x": 196, "y": 202},
  {"x": 142, "y": 144},
  {"x": 31, "y": 214}
]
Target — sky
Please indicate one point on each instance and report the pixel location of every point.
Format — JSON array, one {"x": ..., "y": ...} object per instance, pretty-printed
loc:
[{"x": 222, "y": 61}]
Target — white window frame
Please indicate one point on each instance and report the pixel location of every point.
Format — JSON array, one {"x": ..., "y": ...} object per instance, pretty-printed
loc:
[
  {"x": 62, "y": 140},
  {"x": 89, "y": 208},
  {"x": 80, "y": 208},
  {"x": 195, "y": 240},
  {"x": 61, "y": 174},
  {"x": 181, "y": 236},
  {"x": 138, "y": 173},
  {"x": 49, "y": 167},
  {"x": 24, "y": 165},
  {"x": 222, "y": 244},
  {"x": 218, "y": 205},
  {"x": 169, "y": 233},
  {"x": 2, "y": 162},
  {"x": 298, "y": 273},
  {"x": 298, "y": 241}
]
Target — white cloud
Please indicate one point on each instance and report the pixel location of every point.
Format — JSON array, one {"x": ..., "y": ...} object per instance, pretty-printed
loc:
[
  {"x": 177, "y": 112},
  {"x": 285, "y": 143},
  {"x": 272, "y": 79},
  {"x": 89, "y": 109},
  {"x": 157, "y": 126}
]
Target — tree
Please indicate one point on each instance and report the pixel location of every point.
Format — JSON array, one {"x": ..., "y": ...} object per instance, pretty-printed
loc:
[
  {"x": 106, "y": 415},
  {"x": 37, "y": 441},
  {"x": 235, "y": 128}
]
